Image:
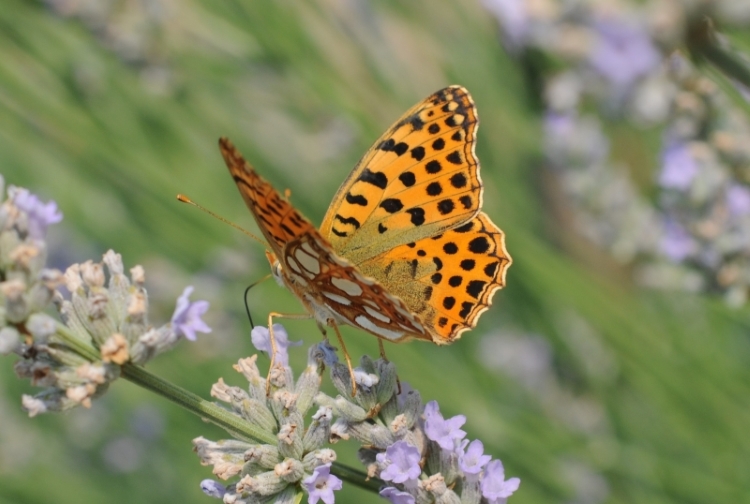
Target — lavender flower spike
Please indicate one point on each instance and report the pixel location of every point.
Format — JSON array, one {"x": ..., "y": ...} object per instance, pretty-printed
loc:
[
  {"x": 186, "y": 319},
  {"x": 401, "y": 461},
  {"x": 40, "y": 215},
  {"x": 321, "y": 485},
  {"x": 261, "y": 338},
  {"x": 446, "y": 433},
  {"x": 495, "y": 488}
]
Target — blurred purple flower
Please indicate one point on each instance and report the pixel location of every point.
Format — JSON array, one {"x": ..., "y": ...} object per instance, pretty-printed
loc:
[
  {"x": 41, "y": 215},
  {"x": 623, "y": 52},
  {"x": 186, "y": 319},
  {"x": 261, "y": 338},
  {"x": 396, "y": 496},
  {"x": 678, "y": 166},
  {"x": 513, "y": 17},
  {"x": 401, "y": 461},
  {"x": 559, "y": 124},
  {"x": 213, "y": 488},
  {"x": 494, "y": 486},
  {"x": 676, "y": 243},
  {"x": 738, "y": 200},
  {"x": 446, "y": 433},
  {"x": 473, "y": 459},
  {"x": 321, "y": 485}
]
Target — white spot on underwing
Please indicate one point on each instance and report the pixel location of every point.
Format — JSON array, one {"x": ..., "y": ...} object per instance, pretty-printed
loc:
[
  {"x": 307, "y": 261},
  {"x": 377, "y": 315},
  {"x": 339, "y": 299},
  {"x": 294, "y": 266},
  {"x": 351, "y": 288},
  {"x": 369, "y": 325}
]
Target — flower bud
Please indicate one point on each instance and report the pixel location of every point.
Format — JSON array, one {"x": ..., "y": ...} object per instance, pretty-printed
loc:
[
  {"x": 10, "y": 340},
  {"x": 319, "y": 430}
]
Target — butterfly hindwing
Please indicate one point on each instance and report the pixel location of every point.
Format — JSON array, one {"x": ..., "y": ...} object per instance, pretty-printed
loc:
[
  {"x": 419, "y": 179},
  {"x": 339, "y": 286},
  {"x": 449, "y": 279}
]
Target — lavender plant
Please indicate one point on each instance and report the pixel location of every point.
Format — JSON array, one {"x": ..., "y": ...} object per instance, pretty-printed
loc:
[
  {"x": 278, "y": 451},
  {"x": 636, "y": 61}
]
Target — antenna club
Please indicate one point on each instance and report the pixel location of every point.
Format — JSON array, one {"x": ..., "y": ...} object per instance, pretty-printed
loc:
[{"x": 184, "y": 199}]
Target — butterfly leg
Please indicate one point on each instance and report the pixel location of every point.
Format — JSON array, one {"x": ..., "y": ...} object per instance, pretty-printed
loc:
[
  {"x": 382, "y": 356},
  {"x": 292, "y": 316},
  {"x": 346, "y": 356}
]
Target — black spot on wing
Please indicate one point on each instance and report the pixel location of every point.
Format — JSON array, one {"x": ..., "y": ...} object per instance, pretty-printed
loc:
[
  {"x": 433, "y": 166},
  {"x": 381, "y": 228},
  {"x": 438, "y": 263},
  {"x": 468, "y": 264},
  {"x": 455, "y": 280},
  {"x": 436, "y": 278},
  {"x": 454, "y": 158},
  {"x": 434, "y": 189},
  {"x": 348, "y": 220},
  {"x": 433, "y": 128},
  {"x": 378, "y": 179},
  {"x": 356, "y": 199},
  {"x": 458, "y": 180},
  {"x": 465, "y": 309},
  {"x": 391, "y": 205},
  {"x": 417, "y": 216},
  {"x": 438, "y": 144},
  {"x": 479, "y": 245},
  {"x": 418, "y": 153},
  {"x": 445, "y": 206},
  {"x": 465, "y": 201},
  {"x": 490, "y": 269},
  {"x": 475, "y": 288},
  {"x": 465, "y": 228},
  {"x": 450, "y": 248},
  {"x": 449, "y": 302},
  {"x": 407, "y": 178}
]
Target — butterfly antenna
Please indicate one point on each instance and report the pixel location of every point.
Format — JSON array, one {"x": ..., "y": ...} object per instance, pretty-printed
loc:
[
  {"x": 247, "y": 305},
  {"x": 184, "y": 199}
]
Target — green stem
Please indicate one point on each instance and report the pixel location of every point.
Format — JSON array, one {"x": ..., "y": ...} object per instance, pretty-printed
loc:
[
  {"x": 206, "y": 410},
  {"x": 704, "y": 43}
]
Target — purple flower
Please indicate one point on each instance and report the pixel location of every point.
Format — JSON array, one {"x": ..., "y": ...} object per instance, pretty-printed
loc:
[
  {"x": 261, "y": 338},
  {"x": 623, "y": 52},
  {"x": 472, "y": 460},
  {"x": 401, "y": 461},
  {"x": 446, "y": 433},
  {"x": 41, "y": 215},
  {"x": 213, "y": 488},
  {"x": 676, "y": 242},
  {"x": 494, "y": 486},
  {"x": 396, "y": 496},
  {"x": 186, "y": 319},
  {"x": 678, "y": 166},
  {"x": 738, "y": 200},
  {"x": 321, "y": 485}
]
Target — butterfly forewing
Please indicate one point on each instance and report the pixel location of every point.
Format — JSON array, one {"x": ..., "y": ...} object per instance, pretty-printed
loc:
[
  {"x": 277, "y": 218},
  {"x": 418, "y": 179}
]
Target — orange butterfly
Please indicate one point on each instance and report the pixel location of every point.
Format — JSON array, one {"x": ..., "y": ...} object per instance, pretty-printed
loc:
[{"x": 404, "y": 250}]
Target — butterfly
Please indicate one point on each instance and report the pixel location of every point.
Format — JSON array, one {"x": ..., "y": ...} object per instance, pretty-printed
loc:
[{"x": 404, "y": 251}]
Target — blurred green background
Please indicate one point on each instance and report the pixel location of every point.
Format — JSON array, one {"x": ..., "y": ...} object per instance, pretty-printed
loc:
[{"x": 111, "y": 108}]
